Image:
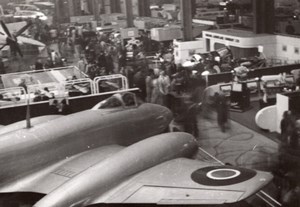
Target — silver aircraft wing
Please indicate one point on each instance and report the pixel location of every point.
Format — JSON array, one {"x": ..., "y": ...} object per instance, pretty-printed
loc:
[
  {"x": 156, "y": 170},
  {"x": 186, "y": 181},
  {"x": 180, "y": 181},
  {"x": 51, "y": 177}
]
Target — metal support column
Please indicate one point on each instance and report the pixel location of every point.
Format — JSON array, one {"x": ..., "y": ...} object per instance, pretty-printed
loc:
[
  {"x": 129, "y": 14},
  {"x": 270, "y": 16},
  {"x": 144, "y": 8},
  {"x": 57, "y": 17},
  {"x": 96, "y": 10},
  {"x": 186, "y": 19},
  {"x": 263, "y": 11},
  {"x": 258, "y": 15},
  {"x": 115, "y": 6},
  {"x": 62, "y": 13}
]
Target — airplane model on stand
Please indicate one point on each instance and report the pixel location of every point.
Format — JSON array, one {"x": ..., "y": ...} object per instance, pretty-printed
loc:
[
  {"x": 114, "y": 154},
  {"x": 13, "y": 40}
]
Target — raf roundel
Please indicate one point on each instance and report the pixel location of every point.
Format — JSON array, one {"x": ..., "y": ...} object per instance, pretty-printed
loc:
[{"x": 221, "y": 175}]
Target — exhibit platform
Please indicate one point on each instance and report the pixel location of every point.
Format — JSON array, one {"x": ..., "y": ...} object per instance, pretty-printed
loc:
[{"x": 56, "y": 75}]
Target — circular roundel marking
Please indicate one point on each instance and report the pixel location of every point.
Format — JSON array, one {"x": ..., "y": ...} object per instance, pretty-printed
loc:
[{"x": 221, "y": 175}]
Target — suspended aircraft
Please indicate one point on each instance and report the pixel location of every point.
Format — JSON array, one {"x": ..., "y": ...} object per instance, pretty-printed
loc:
[
  {"x": 14, "y": 40},
  {"x": 113, "y": 153}
]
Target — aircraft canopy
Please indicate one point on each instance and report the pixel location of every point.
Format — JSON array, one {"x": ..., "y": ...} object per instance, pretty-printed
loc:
[{"x": 117, "y": 100}]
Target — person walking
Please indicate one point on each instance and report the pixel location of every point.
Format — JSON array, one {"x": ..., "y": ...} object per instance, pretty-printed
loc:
[
  {"x": 164, "y": 84},
  {"x": 2, "y": 66},
  {"x": 222, "y": 110},
  {"x": 149, "y": 85},
  {"x": 39, "y": 65},
  {"x": 295, "y": 136},
  {"x": 287, "y": 125},
  {"x": 156, "y": 96},
  {"x": 139, "y": 82},
  {"x": 82, "y": 63}
]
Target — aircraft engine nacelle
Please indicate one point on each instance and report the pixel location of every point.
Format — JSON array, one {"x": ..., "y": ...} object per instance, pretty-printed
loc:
[{"x": 113, "y": 170}]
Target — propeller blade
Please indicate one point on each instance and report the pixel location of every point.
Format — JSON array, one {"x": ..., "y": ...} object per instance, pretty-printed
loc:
[
  {"x": 3, "y": 46},
  {"x": 6, "y": 30},
  {"x": 23, "y": 29}
]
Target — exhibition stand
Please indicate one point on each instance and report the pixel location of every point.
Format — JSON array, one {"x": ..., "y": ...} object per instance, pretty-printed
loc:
[
  {"x": 269, "y": 118},
  {"x": 240, "y": 97},
  {"x": 213, "y": 79}
]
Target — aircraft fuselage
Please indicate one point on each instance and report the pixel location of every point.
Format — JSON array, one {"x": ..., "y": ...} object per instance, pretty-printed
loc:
[{"x": 26, "y": 150}]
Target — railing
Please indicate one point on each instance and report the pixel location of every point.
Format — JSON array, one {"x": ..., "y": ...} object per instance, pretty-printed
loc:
[
  {"x": 12, "y": 96},
  {"x": 51, "y": 87},
  {"x": 78, "y": 87},
  {"x": 45, "y": 70},
  {"x": 84, "y": 85},
  {"x": 117, "y": 81}
]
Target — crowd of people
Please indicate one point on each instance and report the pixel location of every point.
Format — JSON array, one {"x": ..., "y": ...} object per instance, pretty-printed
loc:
[{"x": 160, "y": 81}]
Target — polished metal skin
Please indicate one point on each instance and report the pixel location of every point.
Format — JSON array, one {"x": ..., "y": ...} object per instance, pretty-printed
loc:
[
  {"x": 118, "y": 167},
  {"x": 22, "y": 124},
  {"x": 25, "y": 150}
]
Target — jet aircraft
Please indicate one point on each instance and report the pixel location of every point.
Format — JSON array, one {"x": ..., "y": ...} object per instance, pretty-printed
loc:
[
  {"x": 13, "y": 40},
  {"x": 113, "y": 153}
]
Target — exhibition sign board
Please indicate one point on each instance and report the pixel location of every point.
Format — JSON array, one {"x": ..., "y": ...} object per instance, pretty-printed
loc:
[
  {"x": 82, "y": 19},
  {"x": 128, "y": 33}
]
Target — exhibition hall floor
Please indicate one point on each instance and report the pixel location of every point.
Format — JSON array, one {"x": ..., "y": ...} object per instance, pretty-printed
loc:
[
  {"x": 247, "y": 119},
  {"x": 238, "y": 146}
]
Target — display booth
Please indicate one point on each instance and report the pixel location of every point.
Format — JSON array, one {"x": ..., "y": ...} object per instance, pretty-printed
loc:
[
  {"x": 240, "y": 97},
  {"x": 226, "y": 89},
  {"x": 275, "y": 84},
  {"x": 269, "y": 118},
  {"x": 239, "y": 93}
]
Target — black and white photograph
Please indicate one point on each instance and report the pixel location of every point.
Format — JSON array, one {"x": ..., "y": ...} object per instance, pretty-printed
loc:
[{"x": 148, "y": 103}]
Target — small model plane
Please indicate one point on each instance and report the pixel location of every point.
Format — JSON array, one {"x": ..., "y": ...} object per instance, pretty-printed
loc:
[
  {"x": 113, "y": 154},
  {"x": 13, "y": 40}
]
